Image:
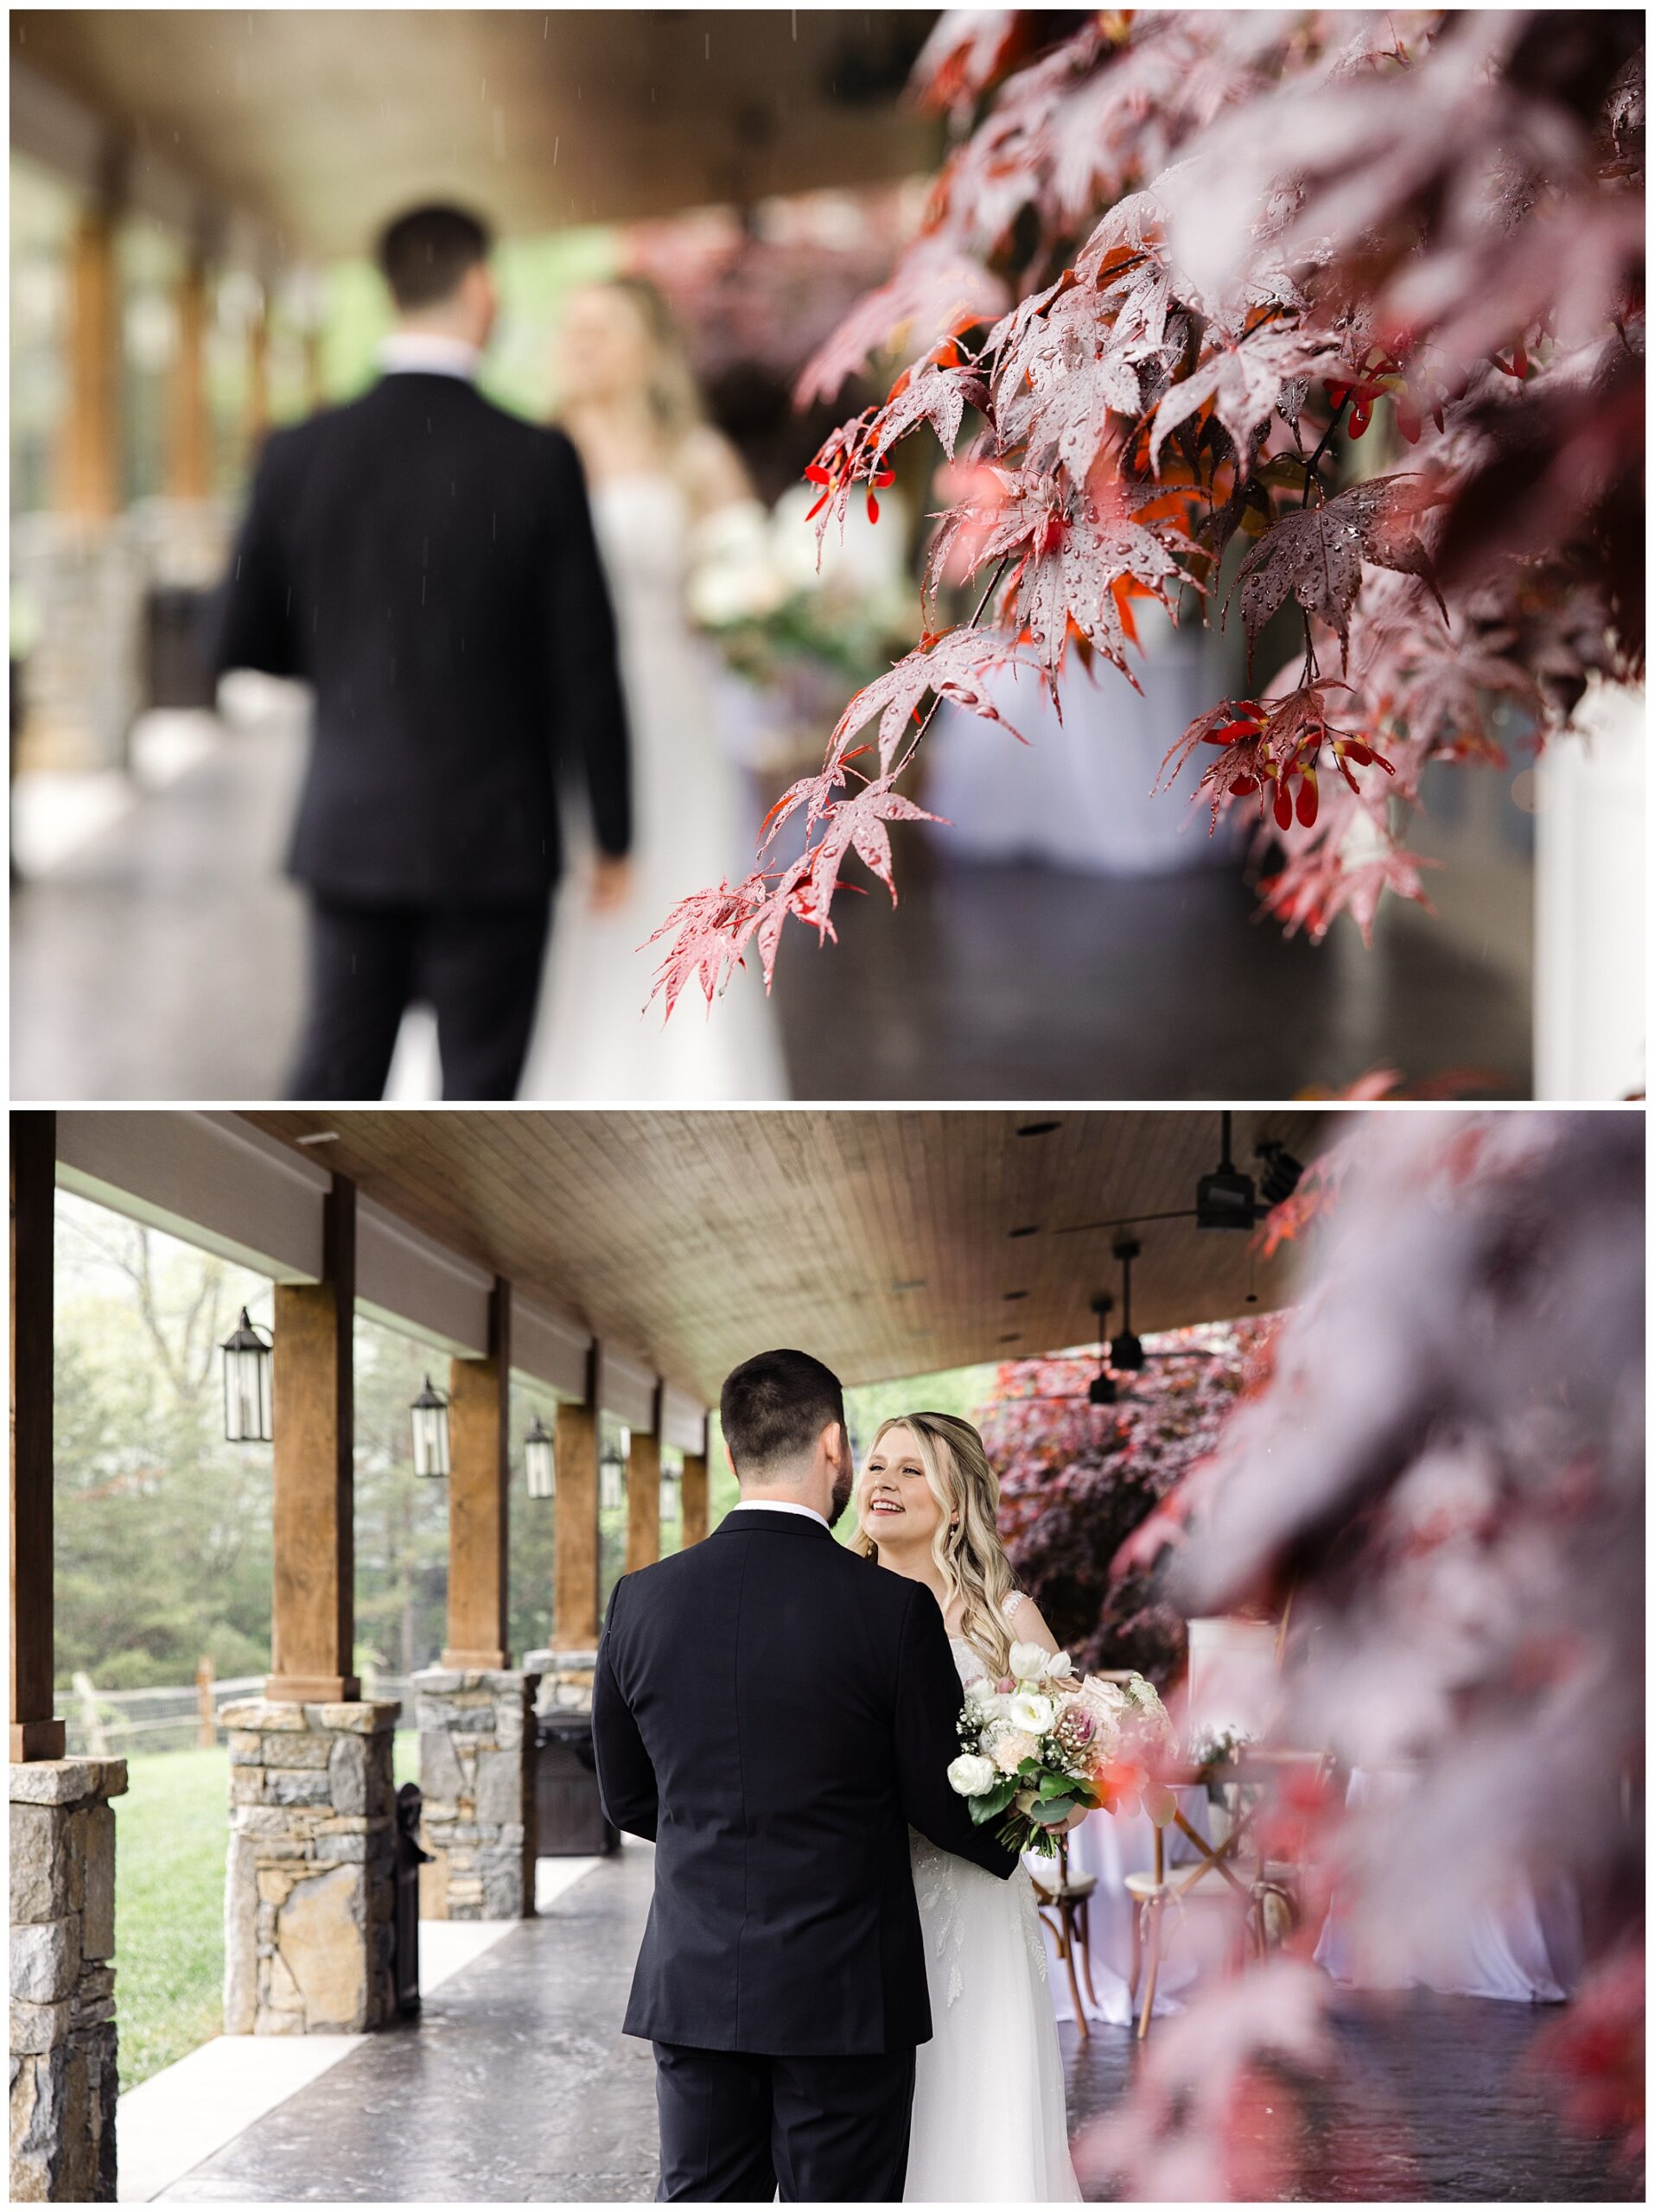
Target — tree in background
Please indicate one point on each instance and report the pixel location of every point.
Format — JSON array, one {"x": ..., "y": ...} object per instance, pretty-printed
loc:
[
  {"x": 162, "y": 1536},
  {"x": 401, "y": 1519},
  {"x": 162, "y": 1533},
  {"x": 1445, "y": 1474},
  {"x": 1075, "y": 1480},
  {"x": 1186, "y": 270}
]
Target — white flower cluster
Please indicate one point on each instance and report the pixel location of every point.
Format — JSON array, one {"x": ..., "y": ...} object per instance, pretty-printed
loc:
[{"x": 1026, "y": 1718}]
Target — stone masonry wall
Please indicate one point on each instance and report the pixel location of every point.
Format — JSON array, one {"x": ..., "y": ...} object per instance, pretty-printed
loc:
[
  {"x": 310, "y": 1884},
  {"x": 63, "y": 2038},
  {"x": 565, "y": 1680},
  {"x": 476, "y": 1774}
]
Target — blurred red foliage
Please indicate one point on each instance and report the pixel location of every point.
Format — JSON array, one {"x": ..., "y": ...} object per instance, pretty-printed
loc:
[
  {"x": 1076, "y": 1481},
  {"x": 1224, "y": 247}
]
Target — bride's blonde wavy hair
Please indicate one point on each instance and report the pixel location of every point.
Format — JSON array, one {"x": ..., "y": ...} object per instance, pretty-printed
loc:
[
  {"x": 674, "y": 392},
  {"x": 969, "y": 1555}
]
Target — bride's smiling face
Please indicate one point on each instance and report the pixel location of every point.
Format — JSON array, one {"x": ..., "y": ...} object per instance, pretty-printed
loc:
[
  {"x": 602, "y": 348},
  {"x": 894, "y": 1500}
]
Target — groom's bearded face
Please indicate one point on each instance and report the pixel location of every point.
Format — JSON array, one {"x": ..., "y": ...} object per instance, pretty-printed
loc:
[{"x": 844, "y": 1475}]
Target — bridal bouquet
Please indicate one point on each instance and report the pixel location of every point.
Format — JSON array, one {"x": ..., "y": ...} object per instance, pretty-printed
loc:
[{"x": 1036, "y": 1748}]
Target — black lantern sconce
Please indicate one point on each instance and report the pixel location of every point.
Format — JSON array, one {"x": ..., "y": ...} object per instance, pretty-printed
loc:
[
  {"x": 246, "y": 1384},
  {"x": 539, "y": 1459},
  {"x": 430, "y": 1412},
  {"x": 612, "y": 1471}
]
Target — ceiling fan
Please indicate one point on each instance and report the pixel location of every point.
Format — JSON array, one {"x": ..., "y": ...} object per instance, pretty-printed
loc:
[
  {"x": 1125, "y": 1354},
  {"x": 1227, "y": 1198}
]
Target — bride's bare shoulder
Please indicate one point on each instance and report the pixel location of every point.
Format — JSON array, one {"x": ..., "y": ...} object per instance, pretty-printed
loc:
[{"x": 1027, "y": 1622}]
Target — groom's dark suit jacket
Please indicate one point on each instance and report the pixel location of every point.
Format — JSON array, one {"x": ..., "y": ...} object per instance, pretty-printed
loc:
[
  {"x": 427, "y": 562},
  {"x": 775, "y": 1712}
]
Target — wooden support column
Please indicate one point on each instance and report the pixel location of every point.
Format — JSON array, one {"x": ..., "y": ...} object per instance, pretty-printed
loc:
[
  {"x": 313, "y": 1624},
  {"x": 89, "y": 452},
  {"x": 575, "y": 1576},
  {"x": 34, "y": 1734},
  {"x": 644, "y": 1494},
  {"x": 695, "y": 1497},
  {"x": 479, "y": 1415},
  {"x": 189, "y": 430}
]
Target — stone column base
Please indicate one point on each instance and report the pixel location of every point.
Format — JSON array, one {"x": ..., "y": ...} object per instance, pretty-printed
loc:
[
  {"x": 310, "y": 1885},
  {"x": 63, "y": 2039},
  {"x": 476, "y": 1773},
  {"x": 565, "y": 1680}
]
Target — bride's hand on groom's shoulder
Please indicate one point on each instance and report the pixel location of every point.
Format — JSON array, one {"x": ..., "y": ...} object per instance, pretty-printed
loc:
[{"x": 611, "y": 881}]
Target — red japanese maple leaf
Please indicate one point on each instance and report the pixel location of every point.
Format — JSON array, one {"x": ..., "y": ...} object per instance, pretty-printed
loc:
[
  {"x": 1315, "y": 555},
  {"x": 1317, "y": 885},
  {"x": 857, "y": 824},
  {"x": 956, "y": 665},
  {"x": 1242, "y": 380}
]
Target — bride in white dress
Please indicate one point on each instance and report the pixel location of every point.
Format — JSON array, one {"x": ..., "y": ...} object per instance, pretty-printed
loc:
[
  {"x": 656, "y": 472},
  {"x": 990, "y": 2122}
]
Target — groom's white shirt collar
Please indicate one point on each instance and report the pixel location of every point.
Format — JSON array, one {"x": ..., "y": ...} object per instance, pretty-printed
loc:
[
  {"x": 430, "y": 352},
  {"x": 776, "y": 1505}
]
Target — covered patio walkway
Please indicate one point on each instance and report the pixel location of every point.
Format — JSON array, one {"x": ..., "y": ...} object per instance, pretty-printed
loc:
[
  {"x": 172, "y": 927},
  {"x": 515, "y": 2085}
]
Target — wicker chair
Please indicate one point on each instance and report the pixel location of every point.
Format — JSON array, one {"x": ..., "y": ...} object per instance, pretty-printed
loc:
[{"x": 1064, "y": 1902}]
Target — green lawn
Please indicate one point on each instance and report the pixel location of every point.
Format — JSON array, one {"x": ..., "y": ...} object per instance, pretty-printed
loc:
[{"x": 169, "y": 1847}]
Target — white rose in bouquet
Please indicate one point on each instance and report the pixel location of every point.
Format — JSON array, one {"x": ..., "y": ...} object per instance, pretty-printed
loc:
[
  {"x": 1031, "y": 1712},
  {"x": 970, "y": 1774},
  {"x": 980, "y": 1696}
]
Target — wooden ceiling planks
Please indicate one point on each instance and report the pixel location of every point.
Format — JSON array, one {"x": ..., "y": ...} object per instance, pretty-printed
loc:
[
  {"x": 323, "y": 122},
  {"x": 881, "y": 1240}
]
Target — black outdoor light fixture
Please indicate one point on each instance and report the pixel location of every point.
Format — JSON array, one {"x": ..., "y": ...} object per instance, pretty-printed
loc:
[
  {"x": 246, "y": 1384},
  {"x": 1226, "y": 1198},
  {"x": 612, "y": 1469},
  {"x": 1126, "y": 1351},
  {"x": 430, "y": 1412},
  {"x": 539, "y": 1459},
  {"x": 1101, "y": 1389},
  {"x": 1282, "y": 1172}
]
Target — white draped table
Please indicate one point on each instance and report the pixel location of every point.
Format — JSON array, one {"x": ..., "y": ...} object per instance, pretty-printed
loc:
[
  {"x": 1078, "y": 793},
  {"x": 1526, "y": 1950}
]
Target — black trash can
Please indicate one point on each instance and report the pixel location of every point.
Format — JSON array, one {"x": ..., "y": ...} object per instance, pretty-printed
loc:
[
  {"x": 567, "y": 1811},
  {"x": 405, "y": 1954},
  {"x": 176, "y": 670}
]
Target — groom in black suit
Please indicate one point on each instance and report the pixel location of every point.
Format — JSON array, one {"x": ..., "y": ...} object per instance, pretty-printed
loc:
[
  {"x": 426, "y": 562},
  {"x": 774, "y": 1713}
]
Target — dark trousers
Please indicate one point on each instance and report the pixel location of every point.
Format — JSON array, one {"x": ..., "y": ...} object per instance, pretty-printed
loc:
[
  {"x": 735, "y": 2129},
  {"x": 477, "y": 967}
]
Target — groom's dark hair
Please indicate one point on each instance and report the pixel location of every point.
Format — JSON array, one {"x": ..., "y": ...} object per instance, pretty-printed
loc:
[
  {"x": 425, "y": 254},
  {"x": 774, "y": 1408}
]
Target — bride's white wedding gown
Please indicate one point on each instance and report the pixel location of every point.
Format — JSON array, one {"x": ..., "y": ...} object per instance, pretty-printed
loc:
[
  {"x": 692, "y": 824},
  {"x": 990, "y": 2121}
]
